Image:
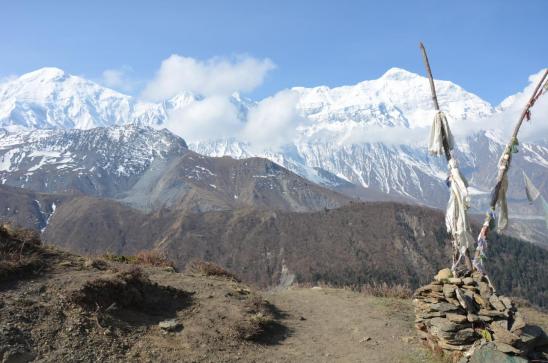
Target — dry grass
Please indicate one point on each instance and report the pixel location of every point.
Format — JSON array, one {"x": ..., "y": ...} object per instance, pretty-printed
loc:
[
  {"x": 210, "y": 269},
  {"x": 20, "y": 253},
  {"x": 153, "y": 258},
  {"x": 383, "y": 289},
  {"x": 260, "y": 319},
  {"x": 145, "y": 257}
]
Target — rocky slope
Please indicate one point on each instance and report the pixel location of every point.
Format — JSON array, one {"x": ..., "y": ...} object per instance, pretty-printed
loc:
[
  {"x": 151, "y": 169},
  {"x": 101, "y": 162}
]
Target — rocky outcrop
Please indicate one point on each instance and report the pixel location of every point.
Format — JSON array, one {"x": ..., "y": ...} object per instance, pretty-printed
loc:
[{"x": 459, "y": 317}]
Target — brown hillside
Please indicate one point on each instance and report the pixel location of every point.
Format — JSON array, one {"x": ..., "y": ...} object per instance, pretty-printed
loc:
[{"x": 352, "y": 245}]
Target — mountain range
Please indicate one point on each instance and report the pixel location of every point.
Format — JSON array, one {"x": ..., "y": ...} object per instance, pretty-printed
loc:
[
  {"x": 96, "y": 171},
  {"x": 363, "y": 140}
]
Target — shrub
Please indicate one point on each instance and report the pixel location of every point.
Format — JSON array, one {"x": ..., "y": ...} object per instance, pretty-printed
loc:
[
  {"x": 153, "y": 258},
  {"x": 397, "y": 291},
  {"x": 209, "y": 269},
  {"x": 144, "y": 257}
]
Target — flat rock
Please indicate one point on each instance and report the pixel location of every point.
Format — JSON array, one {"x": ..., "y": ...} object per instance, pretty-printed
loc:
[
  {"x": 479, "y": 300},
  {"x": 433, "y": 314},
  {"x": 519, "y": 322},
  {"x": 448, "y": 346},
  {"x": 449, "y": 290},
  {"x": 455, "y": 318},
  {"x": 506, "y": 348},
  {"x": 490, "y": 353},
  {"x": 485, "y": 319},
  {"x": 496, "y": 303},
  {"x": 502, "y": 335},
  {"x": 455, "y": 280},
  {"x": 485, "y": 290},
  {"x": 492, "y": 313},
  {"x": 473, "y": 318},
  {"x": 464, "y": 336},
  {"x": 446, "y": 325},
  {"x": 506, "y": 301},
  {"x": 444, "y": 307},
  {"x": 532, "y": 336},
  {"x": 468, "y": 281},
  {"x": 170, "y": 325},
  {"x": 466, "y": 301}
]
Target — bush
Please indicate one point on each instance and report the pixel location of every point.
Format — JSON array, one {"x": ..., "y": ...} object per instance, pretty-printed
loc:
[
  {"x": 202, "y": 267},
  {"x": 144, "y": 257},
  {"x": 20, "y": 253},
  {"x": 397, "y": 291}
]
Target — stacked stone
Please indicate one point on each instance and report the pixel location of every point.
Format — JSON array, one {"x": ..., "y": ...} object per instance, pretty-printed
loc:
[{"x": 458, "y": 315}]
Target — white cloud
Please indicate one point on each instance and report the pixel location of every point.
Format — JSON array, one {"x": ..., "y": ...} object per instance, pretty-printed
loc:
[
  {"x": 534, "y": 130},
  {"x": 273, "y": 122},
  {"x": 215, "y": 76},
  {"x": 119, "y": 79},
  {"x": 211, "y": 118}
]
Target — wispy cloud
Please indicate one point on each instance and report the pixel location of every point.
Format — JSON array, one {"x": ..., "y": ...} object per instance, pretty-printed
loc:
[
  {"x": 119, "y": 79},
  {"x": 213, "y": 117},
  {"x": 274, "y": 121},
  {"x": 215, "y": 76}
]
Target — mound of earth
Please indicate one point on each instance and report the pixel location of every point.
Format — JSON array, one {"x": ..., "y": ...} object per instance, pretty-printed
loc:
[{"x": 56, "y": 306}]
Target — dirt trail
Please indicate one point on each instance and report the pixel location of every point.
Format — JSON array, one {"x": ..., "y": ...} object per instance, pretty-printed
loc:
[{"x": 333, "y": 325}]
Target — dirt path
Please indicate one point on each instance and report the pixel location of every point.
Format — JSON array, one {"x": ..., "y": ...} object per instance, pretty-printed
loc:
[{"x": 331, "y": 325}]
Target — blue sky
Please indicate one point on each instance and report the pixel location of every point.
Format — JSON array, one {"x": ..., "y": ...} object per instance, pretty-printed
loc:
[{"x": 488, "y": 47}]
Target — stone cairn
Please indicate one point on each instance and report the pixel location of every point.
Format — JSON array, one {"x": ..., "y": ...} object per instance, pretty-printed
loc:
[{"x": 458, "y": 316}]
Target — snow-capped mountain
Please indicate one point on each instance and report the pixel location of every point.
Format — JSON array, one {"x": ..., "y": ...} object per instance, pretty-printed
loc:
[
  {"x": 370, "y": 134},
  {"x": 101, "y": 161}
]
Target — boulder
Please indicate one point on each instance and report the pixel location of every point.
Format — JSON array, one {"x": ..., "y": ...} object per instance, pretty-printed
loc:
[
  {"x": 502, "y": 335},
  {"x": 531, "y": 337},
  {"x": 443, "y": 275},
  {"x": 170, "y": 325},
  {"x": 490, "y": 353},
  {"x": 519, "y": 322}
]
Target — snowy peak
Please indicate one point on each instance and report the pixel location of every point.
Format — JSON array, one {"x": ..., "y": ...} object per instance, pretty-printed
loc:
[
  {"x": 399, "y": 74},
  {"x": 45, "y": 74},
  {"x": 100, "y": 161}
]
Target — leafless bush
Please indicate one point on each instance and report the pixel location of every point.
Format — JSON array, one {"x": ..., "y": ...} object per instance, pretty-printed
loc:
[
  {"x": 383, "y": 289},
  {"x": 20, "y": 252},
  {"x": 153, "y": 258},
  {"x": 209, "y": 269},
  {"x": 145, "y": 257}
]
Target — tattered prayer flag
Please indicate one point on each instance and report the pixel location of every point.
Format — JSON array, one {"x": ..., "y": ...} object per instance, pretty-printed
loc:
[{"x": 530, "y": 190}]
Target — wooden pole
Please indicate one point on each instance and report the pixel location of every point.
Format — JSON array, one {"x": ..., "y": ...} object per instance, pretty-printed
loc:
[
  {"x": 445, "y": 143},
  {"x": 500, "y": 177},
  {"x": 446, "y": 149}
]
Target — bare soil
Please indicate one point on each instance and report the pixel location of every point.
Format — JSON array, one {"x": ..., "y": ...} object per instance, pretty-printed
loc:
[{"x": 73, "y": 309}]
